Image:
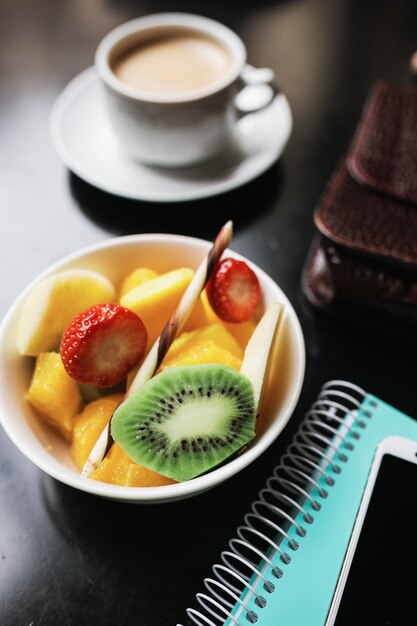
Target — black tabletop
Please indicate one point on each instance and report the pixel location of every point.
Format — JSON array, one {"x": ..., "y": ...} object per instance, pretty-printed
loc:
[{"x": 68, "y": 558}]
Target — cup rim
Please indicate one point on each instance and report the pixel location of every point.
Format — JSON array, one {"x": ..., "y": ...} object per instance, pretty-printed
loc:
[
  {"x": 189, "y": 20},
  {"x": 36, "y": 452}
]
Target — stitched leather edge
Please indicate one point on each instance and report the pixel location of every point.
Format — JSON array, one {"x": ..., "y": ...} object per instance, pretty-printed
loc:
[
  {"x": 355, "y": 168},
  {"x": 321, "y": 222}
]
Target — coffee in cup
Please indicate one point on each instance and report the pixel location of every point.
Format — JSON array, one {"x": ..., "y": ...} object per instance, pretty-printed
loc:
[
  {"x": 177, "y": 62},
  {"x": 171, "y": 83}
]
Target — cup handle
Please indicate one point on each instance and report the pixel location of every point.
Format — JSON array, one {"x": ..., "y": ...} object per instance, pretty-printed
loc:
[{"x": 258, "y": 89}]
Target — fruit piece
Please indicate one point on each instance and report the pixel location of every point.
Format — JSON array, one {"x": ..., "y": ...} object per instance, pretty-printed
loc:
[
  {"x": 215, "y": 332},
  {"x": 54, "y": 394},
  {"x": 118, "y": 469},
  {"x": 90, "y": 393},
  {"x": 200, "y": 352},
  {"x": 140, "y": 476},
  {"x": 258, "y": 349},
  {"x": 186, "y": 420},
  {"x": 137, "y": 277},
  {"x": 233, "y": 291},
  {"x": 156, "y": 300},
  {"x": 242, "y": 332},
  {"x": 211, "y": 344},
  {"x": 89, "y": 424},
  {"x": 202, "y": 314},
  {"x": 170, "y": 330},
  {"x": 102, "y": 344},
  {"x": 52, "y": 304}
]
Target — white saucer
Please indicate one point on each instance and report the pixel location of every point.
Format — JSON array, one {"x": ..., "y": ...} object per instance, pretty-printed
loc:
[{"x": 84, "y": 139}]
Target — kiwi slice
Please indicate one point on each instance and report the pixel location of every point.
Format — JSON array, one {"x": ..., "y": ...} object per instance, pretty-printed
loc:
[{"x": 186, "y": 420}]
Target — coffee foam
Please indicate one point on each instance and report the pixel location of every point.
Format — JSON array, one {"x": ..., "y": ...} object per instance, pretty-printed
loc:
[{"x": 173, "y": 63}]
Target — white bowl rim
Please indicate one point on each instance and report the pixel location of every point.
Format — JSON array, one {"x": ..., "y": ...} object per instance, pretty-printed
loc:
[{"x": 164, "y": 493}]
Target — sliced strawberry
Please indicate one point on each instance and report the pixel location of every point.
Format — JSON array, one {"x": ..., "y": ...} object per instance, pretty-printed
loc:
[
  {"x": 233, "y": 291},
  {"x": 102, "y": 344}
]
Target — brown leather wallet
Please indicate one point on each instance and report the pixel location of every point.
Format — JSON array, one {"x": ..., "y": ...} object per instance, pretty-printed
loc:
[{"x": 364, "y": 256}]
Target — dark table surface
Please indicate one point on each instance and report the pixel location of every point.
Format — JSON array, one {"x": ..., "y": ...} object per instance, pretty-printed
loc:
[{"x": 68, "y": 558}]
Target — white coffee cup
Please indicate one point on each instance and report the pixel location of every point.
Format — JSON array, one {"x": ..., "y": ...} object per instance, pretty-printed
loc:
[{"x": 181, "y": 129}]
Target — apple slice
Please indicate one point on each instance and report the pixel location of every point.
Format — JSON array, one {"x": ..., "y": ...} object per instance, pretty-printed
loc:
[
  {"x": 53, "y": 303},
  {"x": 255, "y": 359}
]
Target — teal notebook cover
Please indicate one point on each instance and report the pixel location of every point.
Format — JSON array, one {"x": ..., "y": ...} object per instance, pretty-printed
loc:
[{"x": 354, "y": 423}]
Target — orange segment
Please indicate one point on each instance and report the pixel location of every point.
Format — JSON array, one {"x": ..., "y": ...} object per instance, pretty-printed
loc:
[
  {"x": 54, "y": 393},
  {"x": 118, "y": 469},
  {"x": 89, "y": 425}
]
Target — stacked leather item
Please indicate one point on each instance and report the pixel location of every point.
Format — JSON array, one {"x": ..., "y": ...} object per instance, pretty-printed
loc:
[{"x": 364, "y": 256}]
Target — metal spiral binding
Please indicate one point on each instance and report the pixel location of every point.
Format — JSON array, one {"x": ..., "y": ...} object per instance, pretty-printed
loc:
[{"x": 320, "y": 447}]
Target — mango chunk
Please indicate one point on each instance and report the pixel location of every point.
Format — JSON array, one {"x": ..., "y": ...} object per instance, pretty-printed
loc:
[
  {"x": 118, "y": 469},
  {"x": 201, "y": 352},
  {"x": 203, "y": 345},
  {"x": 89, "y": 425},
  {"x": 138, "y": 277},
  {"x": 216, "y": 332},
  {"x": 203, "y": 315},
  {"x": 242, "y": 332},
  {"x": 156, "y": 300},
  {"x": 54, "y": 394}
]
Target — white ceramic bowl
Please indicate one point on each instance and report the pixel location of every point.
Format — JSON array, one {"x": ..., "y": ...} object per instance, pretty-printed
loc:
[{"x": 115, "y": 258}]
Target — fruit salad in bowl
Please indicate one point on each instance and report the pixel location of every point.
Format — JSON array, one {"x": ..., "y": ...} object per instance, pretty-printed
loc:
[{"x": 149, "y": 367}]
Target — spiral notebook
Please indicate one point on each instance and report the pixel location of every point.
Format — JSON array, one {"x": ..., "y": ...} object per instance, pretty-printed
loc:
[{"x": 283, "y": 565}]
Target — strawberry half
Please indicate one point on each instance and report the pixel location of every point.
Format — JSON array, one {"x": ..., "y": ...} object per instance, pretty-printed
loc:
[
  {"x": 102, "y": 344},
  {"x": 233, "y": 291}
]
